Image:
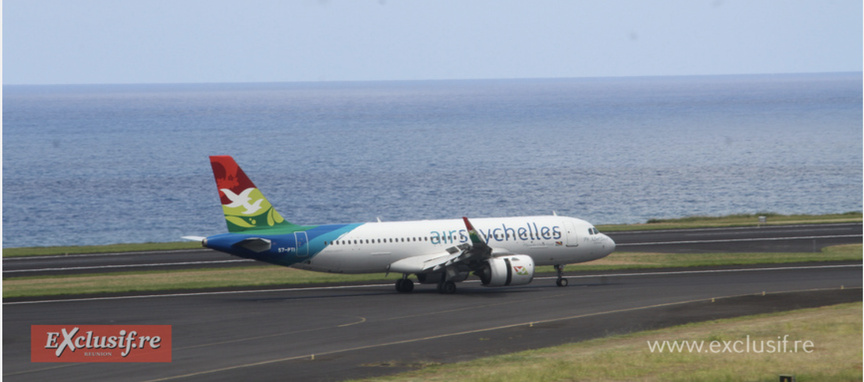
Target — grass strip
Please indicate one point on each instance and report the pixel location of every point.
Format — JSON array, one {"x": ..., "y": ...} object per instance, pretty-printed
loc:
[
  {"x": 125, "y": 282},
  {"x": 743, "y": 220},
  {"x": 835, "y": 332},
  {"x": 740, "y": 220}
]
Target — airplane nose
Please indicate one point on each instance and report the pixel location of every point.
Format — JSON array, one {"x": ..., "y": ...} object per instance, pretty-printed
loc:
[{"x": 610, "y": 244}]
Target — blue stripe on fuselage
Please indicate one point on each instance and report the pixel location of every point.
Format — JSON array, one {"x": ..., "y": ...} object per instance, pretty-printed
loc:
[{"x": 284, "y": 249}]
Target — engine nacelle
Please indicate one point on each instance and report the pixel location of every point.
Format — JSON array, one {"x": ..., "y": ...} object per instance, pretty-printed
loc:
[{"x": 507, "y": 270}]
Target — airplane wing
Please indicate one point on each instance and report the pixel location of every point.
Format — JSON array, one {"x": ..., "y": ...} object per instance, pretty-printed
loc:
[
  {"x": 426, "y": 263},
  {"x": 463, "y": 253}
]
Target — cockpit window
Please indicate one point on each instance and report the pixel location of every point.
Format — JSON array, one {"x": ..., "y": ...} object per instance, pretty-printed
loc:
[{"x": 593, "y": 231}]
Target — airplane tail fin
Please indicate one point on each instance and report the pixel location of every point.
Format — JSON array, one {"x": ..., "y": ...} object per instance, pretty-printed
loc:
[{"x": 244, "y": 206}]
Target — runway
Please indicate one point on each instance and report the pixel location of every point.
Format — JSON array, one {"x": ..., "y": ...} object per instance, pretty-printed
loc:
[
  {"x": 779, "y": 238},
  {"x": 792, "y": 238},
  {"x": 340, "y": 332},
  {"x": 357, "y": 331}
]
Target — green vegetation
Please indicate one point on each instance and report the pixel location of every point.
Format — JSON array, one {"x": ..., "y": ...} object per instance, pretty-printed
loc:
[
  {"x": 689, "y": 222},
  {"x": 742, "y": 220},
  {"x": 835, "y": 332},
  {"x": 257, "y": 276}
]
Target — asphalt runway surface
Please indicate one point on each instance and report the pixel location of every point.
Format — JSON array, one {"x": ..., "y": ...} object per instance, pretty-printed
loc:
[
  {"x": 786, "y": 238},
  {"x": 339, "y": 332},
  {"x": 368, "y": 330},
  {"x": 780, "y": 238}
]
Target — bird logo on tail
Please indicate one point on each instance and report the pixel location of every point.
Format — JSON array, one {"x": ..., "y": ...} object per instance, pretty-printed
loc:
[{"x": 244, "y": 206}]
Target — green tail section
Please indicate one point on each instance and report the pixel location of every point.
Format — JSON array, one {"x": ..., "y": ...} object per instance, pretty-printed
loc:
[{"x": 245, "y": 207}]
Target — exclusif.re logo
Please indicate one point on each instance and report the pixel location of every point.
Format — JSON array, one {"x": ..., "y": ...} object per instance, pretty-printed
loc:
[{"x": 100, "y": 343}]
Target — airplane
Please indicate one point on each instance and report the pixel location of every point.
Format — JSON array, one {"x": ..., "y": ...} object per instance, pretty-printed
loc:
[{"x": 500, "y": 251}]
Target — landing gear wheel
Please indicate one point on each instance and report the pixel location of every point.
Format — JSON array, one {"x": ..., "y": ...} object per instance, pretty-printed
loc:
[
  {"x": 404, "y": 286},
  {"x": 561, "y": 282},
  {"x": 447, "y": 287}
]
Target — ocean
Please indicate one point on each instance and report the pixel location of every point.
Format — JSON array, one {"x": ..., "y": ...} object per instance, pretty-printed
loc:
[{"x": 103, "y": 164}]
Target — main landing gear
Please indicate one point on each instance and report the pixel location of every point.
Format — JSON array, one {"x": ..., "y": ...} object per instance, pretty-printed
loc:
[
  {"x": 561, "y": 282},
  {"x": 446, "y": 287},
  {"x": 404, "y": 285}
]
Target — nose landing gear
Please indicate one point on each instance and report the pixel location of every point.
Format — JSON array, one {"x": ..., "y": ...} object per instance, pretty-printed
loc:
[{"x": 561, "y": 282}]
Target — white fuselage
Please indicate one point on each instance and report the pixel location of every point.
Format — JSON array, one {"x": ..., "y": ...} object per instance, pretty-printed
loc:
[{"x": 372, "y": 247}]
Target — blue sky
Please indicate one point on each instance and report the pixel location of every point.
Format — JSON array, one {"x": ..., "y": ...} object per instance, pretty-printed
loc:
[{"x": 194, "y": 41}]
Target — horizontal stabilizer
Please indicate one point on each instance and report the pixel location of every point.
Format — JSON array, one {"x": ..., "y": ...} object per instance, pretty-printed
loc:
[
  {"x": 254, "y": 244},
  {"x": 194, "y": 238}
]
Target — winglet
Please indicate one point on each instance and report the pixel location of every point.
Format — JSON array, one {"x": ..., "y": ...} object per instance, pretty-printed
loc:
[{"x": 475, "y": 235}]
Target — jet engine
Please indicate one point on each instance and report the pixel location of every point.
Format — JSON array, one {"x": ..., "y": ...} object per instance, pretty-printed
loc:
[{"x": 507, "y": 270}]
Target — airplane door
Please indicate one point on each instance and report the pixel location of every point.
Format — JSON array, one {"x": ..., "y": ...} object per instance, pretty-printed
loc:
[
  {"x": 572, "y": 238},
  {"x": 300, "y": 240}
]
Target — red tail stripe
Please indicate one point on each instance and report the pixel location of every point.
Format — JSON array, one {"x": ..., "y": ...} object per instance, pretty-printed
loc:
[{"x": 229, "y": 175}]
